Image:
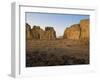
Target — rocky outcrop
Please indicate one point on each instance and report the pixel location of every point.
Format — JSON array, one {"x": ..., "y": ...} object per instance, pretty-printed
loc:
[
  {"x": 84, "y": 25},
  {"x": 78, "y": 31},
  {"x": 37, "y": 33},
  {"x": 50, "y": 33},
  {"x": 75, "y": 32},
  {"x": 72, "y": 32},
  {"x": 28, "y": 31}
]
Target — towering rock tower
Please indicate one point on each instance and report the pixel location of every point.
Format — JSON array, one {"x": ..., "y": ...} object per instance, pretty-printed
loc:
[
  {"x": 37, "y": 32},
  {"x": 50, "y": 33}
]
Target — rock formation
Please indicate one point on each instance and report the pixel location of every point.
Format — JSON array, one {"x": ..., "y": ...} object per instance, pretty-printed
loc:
[
  {"x": 72, "y": 32},
  {"x": 84, "y": 25},
  {"x": 28, "y": 31},
  {"x": 75, "y": 32},
  {"x": 37, "y": 33},
  {"x": 50, "y": 33},
  {"x": 78, "y": 31}
]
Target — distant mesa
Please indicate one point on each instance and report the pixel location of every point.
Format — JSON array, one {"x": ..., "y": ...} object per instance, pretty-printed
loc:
[{"x": 75, "y": 32}]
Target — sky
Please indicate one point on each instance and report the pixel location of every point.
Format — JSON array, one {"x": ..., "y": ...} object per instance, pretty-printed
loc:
[{"x": 59, "y": 21}]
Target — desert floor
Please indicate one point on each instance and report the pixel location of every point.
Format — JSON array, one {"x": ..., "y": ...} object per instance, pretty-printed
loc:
[{"x": 56, "y": 52}]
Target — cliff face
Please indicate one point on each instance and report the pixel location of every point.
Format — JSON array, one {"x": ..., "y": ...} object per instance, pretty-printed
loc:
[
  {"x": 50, "y": 33},
  {"x": 75, "y": 32},
  {"x": 78, "y": 31},
  {"x": 37, "y": 33},
  {"x": 28, "y": 31},
  {"x": 84, "y": 25},
  {"x": 72, "y": 32}
]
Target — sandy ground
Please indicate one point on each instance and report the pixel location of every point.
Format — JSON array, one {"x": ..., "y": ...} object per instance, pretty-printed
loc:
[{"x": 56, "y": 52}]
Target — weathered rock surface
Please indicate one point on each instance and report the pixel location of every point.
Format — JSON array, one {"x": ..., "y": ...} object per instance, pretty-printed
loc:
[
  {"x": 75, "y": 32},
  {"x": 50, "y": 33},
  {"x": 72, "y": 32},
  {"x": 78, "y": 31},
  {"x": 84, "y": 25},
  {"x": 28, "y": 31},
  {"x": 37, "y": 33}
]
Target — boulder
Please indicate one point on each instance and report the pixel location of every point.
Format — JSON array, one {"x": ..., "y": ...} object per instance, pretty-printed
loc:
[
  {"x": 72, "y": 32},
  {"x": 28, "y": 31}
]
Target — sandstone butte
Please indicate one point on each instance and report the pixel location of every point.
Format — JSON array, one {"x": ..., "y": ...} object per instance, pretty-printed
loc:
[
  {"x": 78, "y": 31},
  {"x": 75, "y": 32},
  {"x": 37, "y": 33}
]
